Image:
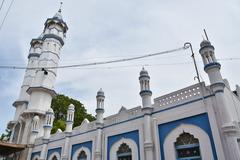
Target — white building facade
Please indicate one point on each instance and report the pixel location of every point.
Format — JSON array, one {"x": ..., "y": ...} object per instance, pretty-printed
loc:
[{"x": 194, "y": 123}]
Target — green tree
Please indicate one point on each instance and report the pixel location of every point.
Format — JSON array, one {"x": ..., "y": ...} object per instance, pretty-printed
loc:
[
  {"x": 5, "y": 136},
  {"x": 60, "y": 105}
]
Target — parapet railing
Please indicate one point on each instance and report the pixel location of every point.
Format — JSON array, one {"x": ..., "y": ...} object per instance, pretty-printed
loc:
[{"x": 180, "y": 96}]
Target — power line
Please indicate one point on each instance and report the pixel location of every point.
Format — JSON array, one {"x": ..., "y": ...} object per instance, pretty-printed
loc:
[
  {"x": 4, "y": 19},
  {"x": 1, "y": 5},
  {"x": 99, "y": 63}
]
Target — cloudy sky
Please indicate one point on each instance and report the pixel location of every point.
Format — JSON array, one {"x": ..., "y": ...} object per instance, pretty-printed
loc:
[{"x": 111, "y": 29}]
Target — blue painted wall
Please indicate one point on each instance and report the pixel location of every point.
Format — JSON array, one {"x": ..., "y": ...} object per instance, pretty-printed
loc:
[
  {"x": 200, "y": 120},
  {"x": 75, "y": 147},
  {"x": 134, "y": 135},
  {"x": 34, "y": 154},
  {"x": 50, "y": 151}
]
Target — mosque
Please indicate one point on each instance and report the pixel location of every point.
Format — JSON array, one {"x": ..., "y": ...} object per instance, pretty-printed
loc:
[{"x": 197, "y": 122}]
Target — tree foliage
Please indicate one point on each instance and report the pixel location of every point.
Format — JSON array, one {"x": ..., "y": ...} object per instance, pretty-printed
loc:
[
  {"x": 60, "y": 105},
  {"x": 5, "y": 136}
]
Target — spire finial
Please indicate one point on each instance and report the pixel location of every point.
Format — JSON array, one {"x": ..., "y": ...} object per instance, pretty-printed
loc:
[
  {"x": 205, "y": 34},
  {"x": 60, "y": 8}
]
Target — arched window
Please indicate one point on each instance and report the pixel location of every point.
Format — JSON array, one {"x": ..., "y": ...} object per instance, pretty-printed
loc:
[
  {"x": 82, "y": 156},
  {"x": 54, "y": 158},
  {"x": 124, "y": 152},
  {"x": 187, "y": 147}
]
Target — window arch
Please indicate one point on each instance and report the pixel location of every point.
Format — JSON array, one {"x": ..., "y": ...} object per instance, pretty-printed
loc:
[
  {"x": 124, "y": 152},
  {"x": 187, "y": 146},
  {"x": 82, "y": 153},
  {"x": 36, "y": 157},
  {"x": 54, "y": 156},
  {"x": 82, "y": 156},
  {"x": 204, "y": 141},
  {"x": 126, "y": 144}
]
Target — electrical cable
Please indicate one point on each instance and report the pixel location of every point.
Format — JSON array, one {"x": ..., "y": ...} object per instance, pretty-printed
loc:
[
  {"x": 4, "y": 19},
  {"x": 99, "y": 63},
  {"x": 2, "y": 5}
]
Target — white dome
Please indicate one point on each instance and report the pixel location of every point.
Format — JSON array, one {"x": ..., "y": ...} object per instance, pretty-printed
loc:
[
  {"x": 143, "y": 72},
  {"x": 71, "y": 106},
  {"x": 100, "y": 92},
  {"x": 50, "y": 110},
  {"x": 36, "y": 118}
]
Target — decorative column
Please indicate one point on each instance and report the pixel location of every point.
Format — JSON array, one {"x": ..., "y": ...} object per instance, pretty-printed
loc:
[
  {"x": 68, "y": 131},
  {"x": 99, "y": 123},
  {"x": 47, "y": 132},
  {"x": 227, "y": 127},
  {"x": 146, "y": 94},
  {"x": 34, "y": 133}
]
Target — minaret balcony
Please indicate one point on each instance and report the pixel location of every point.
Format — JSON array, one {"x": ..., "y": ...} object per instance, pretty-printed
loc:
[
  {"x": 53, "y": 36},
  {"x": 47, "y": 90},
  {"x": 211, "y": 66},
  {"x": 145, "y": 93}
]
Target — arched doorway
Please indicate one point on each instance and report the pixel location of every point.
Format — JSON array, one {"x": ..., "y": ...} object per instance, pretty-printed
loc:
[
  {"x": 82, "y": 156},
  {"x": 124, "y": 152},
  {"x": 187, "y": 147}
]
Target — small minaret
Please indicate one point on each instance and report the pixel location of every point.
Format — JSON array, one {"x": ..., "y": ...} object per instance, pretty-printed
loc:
[
  {"x": 49, "y": 118},
  {"x": 34, "y": 133},
  {"x": 35, "y": 128},
  {"x": 99, "y": 123},
  {"x": 146, "y": 94},
  {"x": 212, "y": 68},
  {"x": 48, "y": 123},
  {"x": 227, "y": 127},
  {"x": 70, "y": 118},
  {"x": 68, "y": 131},
  {"x": 100, "y": 106}
]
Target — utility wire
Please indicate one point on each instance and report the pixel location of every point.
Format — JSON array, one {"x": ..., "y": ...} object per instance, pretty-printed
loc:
[
  {"x": 99, "y": 63},
  {"x": 1, "y": 5},
  {"x": 4, "y": 19}
]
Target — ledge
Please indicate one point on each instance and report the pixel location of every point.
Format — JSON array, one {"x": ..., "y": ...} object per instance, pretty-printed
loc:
[
  {"x": 16, "y": 103},
  {"x": 50, "y": 91},
  {"x": 55, "y": 37},
  {"x": 145, "y": 92},
  {"x": 207, "y": 46},
  {"x": 212, "y": 65},
  {"x": 33, "y": 55}
]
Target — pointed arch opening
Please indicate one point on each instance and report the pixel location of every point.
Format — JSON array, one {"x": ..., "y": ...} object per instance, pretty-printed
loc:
[
  {"x": 82, "y": 156},
  {"x": 124, "y": 149},
  {"x": 82, "y": 153},
  {"x": 187, "y": 147},
  {"x": 54, "y": 157},
  {"x": 124, "y": 152},
  {"x": 187, "y": 133}
]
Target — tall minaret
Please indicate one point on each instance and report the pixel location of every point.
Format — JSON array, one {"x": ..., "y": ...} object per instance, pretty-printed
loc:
[
  {"x": 42, "y": 90},
  {"x": 225, "y": 122},
  {"x": 146, "y": 94},
  {"x": 99, "y": 123},
  {"x": 21, "y": 103},
  {"x": 38, "y": 87}
]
